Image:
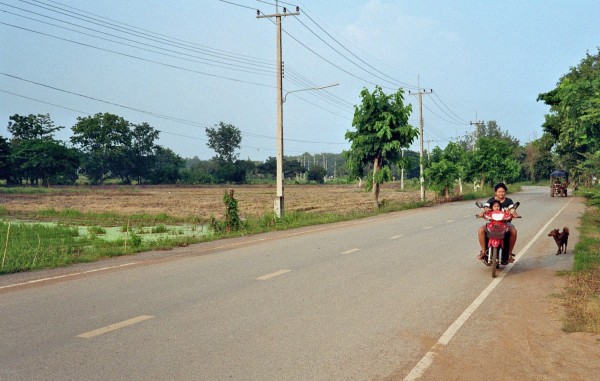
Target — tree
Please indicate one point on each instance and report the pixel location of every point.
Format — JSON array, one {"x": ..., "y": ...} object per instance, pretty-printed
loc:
[
  {"x": 224, "y": 140},
  {"x": 574, "y": 119},
  {"x": 382, "y": 130},
  {"x": 538, "y": 162},
  {"x": 492, "y": 161},
  {"x": 5, "y": 172},
  {"x": 45, "y": 159},
  {"x": 165, "y": 167},
  {"x": 31, "y": 127},
  {"x": 291, "y": 167},
  {"x": 446, "y": 167},
  {"x": 35, "y": 155},
  {"x": 103, "y": 139},
  {"x": 145, "y": 155},
  {"x": 317, "y": 174}
]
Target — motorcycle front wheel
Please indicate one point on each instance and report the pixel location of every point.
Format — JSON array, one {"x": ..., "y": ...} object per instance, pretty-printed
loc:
[{"x": 494, "y": 261}]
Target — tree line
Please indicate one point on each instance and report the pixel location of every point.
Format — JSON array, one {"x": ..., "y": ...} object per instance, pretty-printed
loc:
[
  {"x": 106, "y": 146},
  {"x": 570, "y": 140}
]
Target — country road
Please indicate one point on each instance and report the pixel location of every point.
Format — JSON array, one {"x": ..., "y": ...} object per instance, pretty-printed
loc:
[{"x": 381, "y": 298}]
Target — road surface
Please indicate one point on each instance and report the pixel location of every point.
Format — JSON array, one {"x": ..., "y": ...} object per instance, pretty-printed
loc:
[{"x": 370, "y": 299}]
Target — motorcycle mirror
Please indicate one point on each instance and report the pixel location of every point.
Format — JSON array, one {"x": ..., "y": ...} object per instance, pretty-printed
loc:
[{"x": 479, "y": 205}]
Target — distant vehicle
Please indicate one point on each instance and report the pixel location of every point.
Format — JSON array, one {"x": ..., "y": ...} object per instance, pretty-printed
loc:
[{"x": 559, "y": 182}]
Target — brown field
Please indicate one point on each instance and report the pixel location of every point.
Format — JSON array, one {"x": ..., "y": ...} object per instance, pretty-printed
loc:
[{"x": 204, "y": 201}]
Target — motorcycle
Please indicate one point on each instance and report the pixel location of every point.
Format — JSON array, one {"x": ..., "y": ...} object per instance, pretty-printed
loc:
[{"x": 496, "y": 235}]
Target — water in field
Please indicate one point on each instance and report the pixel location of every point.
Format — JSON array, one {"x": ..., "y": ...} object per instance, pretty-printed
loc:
[{"x": 147, "y": 233}]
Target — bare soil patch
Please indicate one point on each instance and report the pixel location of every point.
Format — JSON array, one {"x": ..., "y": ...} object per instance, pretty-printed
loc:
[{"x": 204, "y": 201}]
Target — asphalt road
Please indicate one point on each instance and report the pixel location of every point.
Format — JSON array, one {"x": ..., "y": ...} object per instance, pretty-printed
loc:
[{"x": 359, "y": 300}]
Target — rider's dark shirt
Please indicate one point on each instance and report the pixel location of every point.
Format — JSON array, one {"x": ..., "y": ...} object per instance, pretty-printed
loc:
[{"x": 504, "y": 205}]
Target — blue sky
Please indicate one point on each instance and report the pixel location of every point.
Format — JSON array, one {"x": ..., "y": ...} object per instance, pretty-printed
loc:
[{"x": 485, "y": 60}]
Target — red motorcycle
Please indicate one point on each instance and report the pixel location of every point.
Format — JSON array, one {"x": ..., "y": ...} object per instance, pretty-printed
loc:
[{"x": 497, "y": 235}]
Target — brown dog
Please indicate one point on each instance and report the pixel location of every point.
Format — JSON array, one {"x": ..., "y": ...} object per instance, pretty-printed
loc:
[{"x": 561, "y": 239}]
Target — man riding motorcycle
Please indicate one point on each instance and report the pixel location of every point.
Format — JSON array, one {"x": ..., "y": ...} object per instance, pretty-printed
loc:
[{"x": 505, "y": 202}]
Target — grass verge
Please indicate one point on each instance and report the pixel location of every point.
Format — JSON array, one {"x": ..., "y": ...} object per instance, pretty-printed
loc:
[
  {"x": 27, "y": 246},
  {"x": 582, "y": 295}
]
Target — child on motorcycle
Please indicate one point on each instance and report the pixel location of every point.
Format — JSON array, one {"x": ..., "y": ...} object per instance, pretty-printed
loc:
[{"x": 504, "y": 204}]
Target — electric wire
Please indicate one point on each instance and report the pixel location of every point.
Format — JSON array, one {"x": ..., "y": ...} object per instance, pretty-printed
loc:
[
  {"x": 139, "y": 58},
  {"x": 156, "y": 37},
  {"x": 150, "y": 113},
  {"x": 233, "y": 66}
]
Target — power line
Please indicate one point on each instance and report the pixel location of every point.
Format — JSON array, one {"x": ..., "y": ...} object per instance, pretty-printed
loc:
[
  {"x": 150, "y": 113},
  {"x": 138, "y": 58}
]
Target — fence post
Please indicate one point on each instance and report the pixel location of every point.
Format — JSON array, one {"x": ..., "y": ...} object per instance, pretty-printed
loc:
[
  {"x": 6, "y": 244},
  {"x": 126, "y": 235}
]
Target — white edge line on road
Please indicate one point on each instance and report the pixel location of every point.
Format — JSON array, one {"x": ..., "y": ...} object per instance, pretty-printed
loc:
[
  {"x": 350, "y": 251},
  {"x": 273, "y": 275},
  {"x": 66, "y": 275},
  {"x": 427, "y": 360},
  {"x": 114, "y": 327}
]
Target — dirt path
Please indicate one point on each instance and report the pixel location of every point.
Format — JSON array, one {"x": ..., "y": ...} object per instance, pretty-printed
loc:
[{"x": 528, "y": 328}]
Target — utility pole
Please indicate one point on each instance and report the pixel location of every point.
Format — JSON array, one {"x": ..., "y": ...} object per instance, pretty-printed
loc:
[
  {"x": 422, "y": 178},
  {"x": 478, "y": 124},
  {"x": 278, "y": 206}
]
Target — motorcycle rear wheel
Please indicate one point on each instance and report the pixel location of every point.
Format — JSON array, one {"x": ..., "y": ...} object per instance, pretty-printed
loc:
[{"x": 494, "y": 261}]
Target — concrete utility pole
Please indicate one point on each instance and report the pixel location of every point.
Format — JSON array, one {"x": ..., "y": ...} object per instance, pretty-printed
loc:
[
  {"x": 279, "y": 200},
  {"x": 422, "y": 178},
  {"x": 479, "y": 124}
]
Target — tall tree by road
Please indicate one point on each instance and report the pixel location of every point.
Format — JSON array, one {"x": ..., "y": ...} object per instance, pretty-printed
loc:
[
  {"x": 382, "y": 130},
  {"x": 574, "y": 118}
]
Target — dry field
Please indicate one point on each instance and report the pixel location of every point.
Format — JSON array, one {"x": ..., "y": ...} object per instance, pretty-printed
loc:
[{"x": 204, "y": 201}]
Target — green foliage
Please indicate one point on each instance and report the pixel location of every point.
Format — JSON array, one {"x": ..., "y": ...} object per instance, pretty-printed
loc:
[
  {"x": 224, "y": 139},
  {"x": 103, "y": 138},
  {"x": 574, "y": 119},
  {"x": 44, "y": 159},
  {"x": 116, "y": 148},
  {"x": 446, "y": 167},
  {"x": 5, "y": 165},
  {"x": 291, "y": 167},
  {"x": 31, "y": 127},
  {"x": 317, "y": 174},
  {"x": 159, "y": 229},
  {"x": 492, "y": 161},
  {"x": 381, "y": 131},
  {"x": 96, "y": 230},
  {"x": 232, "y": 219}
]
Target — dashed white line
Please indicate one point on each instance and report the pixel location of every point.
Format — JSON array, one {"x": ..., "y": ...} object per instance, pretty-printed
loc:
[
  {"x": 350, "y": 251},
  {"x": 396, "y": 236},
  {"x": 273, "y": 275},
  {"x": 114, "y": 327},
  {"x": 427, "y": 227}
]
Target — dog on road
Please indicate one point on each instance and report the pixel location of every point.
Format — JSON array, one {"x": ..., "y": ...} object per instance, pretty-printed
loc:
[{"x": 561, "y": 239}]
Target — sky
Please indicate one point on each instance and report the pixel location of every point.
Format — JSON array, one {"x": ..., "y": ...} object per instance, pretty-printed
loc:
[{"x": 182, "y": 66}]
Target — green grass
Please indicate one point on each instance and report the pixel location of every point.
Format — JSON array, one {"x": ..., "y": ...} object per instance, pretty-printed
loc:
[
  {"x": 31, "y": 246},
  {"x": 582, "y": 296}
]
